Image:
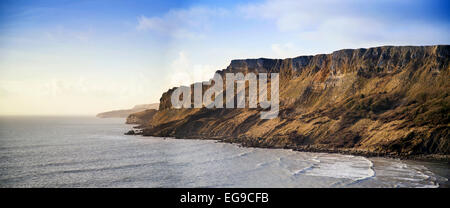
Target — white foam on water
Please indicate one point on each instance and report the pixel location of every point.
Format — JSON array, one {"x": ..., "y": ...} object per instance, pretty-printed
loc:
[
  {"x": 340, "y": 166},
  {"x": 303, "y": 170},
  {"x": 397, "y": 173}
]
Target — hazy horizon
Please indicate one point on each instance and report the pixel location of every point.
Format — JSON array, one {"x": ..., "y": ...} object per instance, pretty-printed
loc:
[{"x": 80, "y": 58}]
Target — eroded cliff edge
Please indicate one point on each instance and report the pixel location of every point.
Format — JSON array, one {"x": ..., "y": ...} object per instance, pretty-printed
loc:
[{"x": 390, "y": 100}]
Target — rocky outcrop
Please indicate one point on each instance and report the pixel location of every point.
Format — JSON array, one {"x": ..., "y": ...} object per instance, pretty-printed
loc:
[
  {"x": 386, "y": 100},
  {"x": 127, "y": 112},
  {"x": 141, "y": 118}
]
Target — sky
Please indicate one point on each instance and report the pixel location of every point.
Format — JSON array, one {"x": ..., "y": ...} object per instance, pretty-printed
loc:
[{"x": 83, "y": 57}]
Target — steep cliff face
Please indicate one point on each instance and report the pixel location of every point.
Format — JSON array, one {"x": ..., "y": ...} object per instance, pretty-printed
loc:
[{"x": 384, "y": 100}]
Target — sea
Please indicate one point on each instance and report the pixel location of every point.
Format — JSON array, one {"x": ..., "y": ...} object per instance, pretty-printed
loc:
[{"x": 94, "y": 152}]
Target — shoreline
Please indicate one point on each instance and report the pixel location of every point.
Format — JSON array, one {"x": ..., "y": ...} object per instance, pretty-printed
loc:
[
  {"x": 430, "y": 161},
  {"x": 344, "y": 151},
  {"x": 357, "y": 152},
  {"x": 314, "y": 148}
]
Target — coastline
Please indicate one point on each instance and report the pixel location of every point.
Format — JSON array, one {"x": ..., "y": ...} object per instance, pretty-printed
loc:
[
  {"x": 323, "y": 149},
  {"x": 138, "y": 130},
  {"x": 245, "y": 142},
  {"x": 433, "y": 162}
]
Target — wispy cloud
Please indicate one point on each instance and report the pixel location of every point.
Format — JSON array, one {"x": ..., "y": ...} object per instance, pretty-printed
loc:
[
  {"x": 181, "y": 23},
  {"x": 291, "y": 15},
  {"x": 350, "y": 23}
]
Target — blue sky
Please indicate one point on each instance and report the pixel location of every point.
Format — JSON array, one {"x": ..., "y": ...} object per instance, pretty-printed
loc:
[{"x": 83, "y": 57}]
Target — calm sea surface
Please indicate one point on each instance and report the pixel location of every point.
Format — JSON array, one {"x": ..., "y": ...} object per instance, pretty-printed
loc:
[{"x": 92, "y": 152}]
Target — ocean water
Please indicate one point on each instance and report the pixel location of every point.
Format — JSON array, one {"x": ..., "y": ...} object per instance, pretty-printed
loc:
[{"x": 92, "y": 152}]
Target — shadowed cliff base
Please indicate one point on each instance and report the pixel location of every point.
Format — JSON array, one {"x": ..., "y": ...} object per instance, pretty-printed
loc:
[{"x": 382, "y": 101}]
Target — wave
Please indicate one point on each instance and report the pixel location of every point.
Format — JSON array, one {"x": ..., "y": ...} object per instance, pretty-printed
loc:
[
  {"x": 100, "y": 169},
  {"x": 264, "y": 164},
  {"x": 356, "y": 169},
  {"x": 303, "y": 170}
]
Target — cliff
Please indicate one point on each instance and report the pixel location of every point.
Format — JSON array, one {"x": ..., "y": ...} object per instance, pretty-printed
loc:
[
  {"x": 126, "y": 112},
  {"x": 141, "y": 117},
  {"x": 390, "y": 100}
]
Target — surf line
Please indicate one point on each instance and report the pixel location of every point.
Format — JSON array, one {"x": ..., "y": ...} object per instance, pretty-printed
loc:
[{"x": 197, "y": 198}]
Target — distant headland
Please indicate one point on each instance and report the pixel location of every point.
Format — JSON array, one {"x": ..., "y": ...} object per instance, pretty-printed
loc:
[{"x": 126, "y": 112}]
